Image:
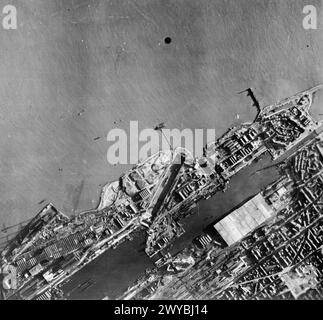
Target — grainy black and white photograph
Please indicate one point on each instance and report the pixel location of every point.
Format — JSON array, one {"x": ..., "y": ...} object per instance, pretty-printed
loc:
[{"x": 167, "y": 150}]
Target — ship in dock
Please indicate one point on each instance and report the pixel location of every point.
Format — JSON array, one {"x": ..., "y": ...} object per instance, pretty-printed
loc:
[{"x": 152, "y": 197}]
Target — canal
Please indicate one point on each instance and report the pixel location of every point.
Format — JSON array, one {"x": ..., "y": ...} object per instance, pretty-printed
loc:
[{"x": 115, "y": 270}]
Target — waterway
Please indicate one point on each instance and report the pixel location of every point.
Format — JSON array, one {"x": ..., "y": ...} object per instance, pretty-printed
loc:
[
  {"x": 74, "y": 70},
  {"x": 116, "y": 269}
]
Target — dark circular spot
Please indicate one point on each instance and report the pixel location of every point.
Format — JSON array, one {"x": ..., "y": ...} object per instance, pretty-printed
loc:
[
  {"x": 167, "y": 40},
  {"x": 307, "y": 45}
]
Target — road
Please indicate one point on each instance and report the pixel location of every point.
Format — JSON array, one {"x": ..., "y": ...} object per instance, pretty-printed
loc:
[{"x": 117, "y": 269}]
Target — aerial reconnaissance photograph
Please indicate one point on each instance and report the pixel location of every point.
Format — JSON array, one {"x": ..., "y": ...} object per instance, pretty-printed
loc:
[{"x": 161, "y": 150}]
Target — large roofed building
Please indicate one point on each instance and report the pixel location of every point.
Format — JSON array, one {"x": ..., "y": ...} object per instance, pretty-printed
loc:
[{"x": 243, "y": 220}]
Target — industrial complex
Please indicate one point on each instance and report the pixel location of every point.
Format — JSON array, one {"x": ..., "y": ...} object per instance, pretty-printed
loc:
[{"x": 268, "y": 247}]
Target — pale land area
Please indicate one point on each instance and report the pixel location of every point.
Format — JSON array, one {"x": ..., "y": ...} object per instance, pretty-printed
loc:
[{"x": 74, "y": 70}]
